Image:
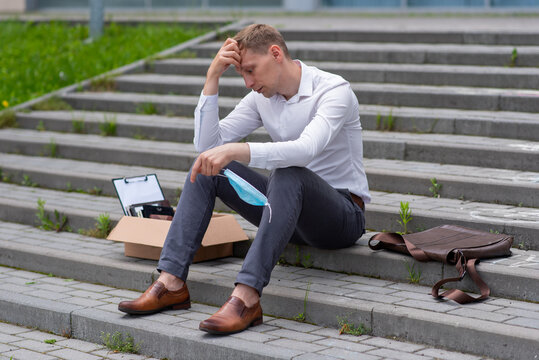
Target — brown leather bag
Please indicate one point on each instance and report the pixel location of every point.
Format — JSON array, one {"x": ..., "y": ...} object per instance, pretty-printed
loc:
[{"x": 449, "y": 244}]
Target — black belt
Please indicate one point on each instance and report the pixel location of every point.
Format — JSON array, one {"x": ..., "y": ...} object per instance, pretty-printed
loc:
[{"x": 358, "y": 201}]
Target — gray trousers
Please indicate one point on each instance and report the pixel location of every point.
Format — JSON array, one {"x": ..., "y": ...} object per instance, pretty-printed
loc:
[{"x": 305, "y": 210}]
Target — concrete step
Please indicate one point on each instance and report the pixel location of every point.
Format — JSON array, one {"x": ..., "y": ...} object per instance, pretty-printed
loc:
[
  {"x": 162, "y": 154},
  {"x": 419, "y": 74},
  {"x": 509, "y": 187},
  {"x": 433, "y": 36},
  {"x": 508, "y": 125},
  {"x": 367, "y": 93},
  {"x": 389, "y": 309},
  {"x": 169, "y": 105},
  {"x": 382, "y": 214},
  {"x": 174, "y": 334},
  {"x": 433, "y": 148},
  {"x": 483, "y": 55},
  {"x": 141, "y": 127}
]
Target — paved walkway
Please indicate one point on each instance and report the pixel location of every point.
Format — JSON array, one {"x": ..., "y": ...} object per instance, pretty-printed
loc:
[
  {"x": 21, "y": 343},
  {"x": 301, "y": 340}
]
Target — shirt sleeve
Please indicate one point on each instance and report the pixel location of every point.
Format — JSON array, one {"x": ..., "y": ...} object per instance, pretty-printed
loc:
[
  {"x": 210, "y": 132},
  {"x": 333, "y": 108}
]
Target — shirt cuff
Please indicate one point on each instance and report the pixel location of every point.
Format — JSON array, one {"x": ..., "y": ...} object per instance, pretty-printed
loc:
[
  {"x": 208, "y": 102},
  {"x": 258, "y": 155}
]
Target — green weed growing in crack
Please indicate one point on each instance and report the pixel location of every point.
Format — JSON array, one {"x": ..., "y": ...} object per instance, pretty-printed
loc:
[
  {"x": 78, "y": 126},
  {"x": 52, "y": 149},
  {"x": 435, "y": 188},
  {"x": 301, "y": 317},
  {"x": 120, "y": 343},
  {"x": 304, "y": 260},
  {"x": 347, "y": 327},
  {"x": 413, "y": 275},
  {"x": 45, "y": 223},
  {"x": 26, "y": 181},
  {"x": 103, "y": 226},
  {"x": 108, "y": 126},
  {"x": 147, "y": 108},
  {"x": 514, "y": 57},
  {"x": 387, "y": 124},
  {"x": 405, "y": 214}
]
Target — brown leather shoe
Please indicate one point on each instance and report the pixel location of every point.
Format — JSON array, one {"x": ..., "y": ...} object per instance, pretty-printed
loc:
[
  {"x": 232, "y": 317},
  {"x": 157, "y": 298}
]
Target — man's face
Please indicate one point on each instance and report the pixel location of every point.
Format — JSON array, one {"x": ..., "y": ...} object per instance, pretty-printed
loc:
[{"x": 260, "y": 72}]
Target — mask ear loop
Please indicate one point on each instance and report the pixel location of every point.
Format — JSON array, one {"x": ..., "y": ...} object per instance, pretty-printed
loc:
[{"x": 269, "y": 207}]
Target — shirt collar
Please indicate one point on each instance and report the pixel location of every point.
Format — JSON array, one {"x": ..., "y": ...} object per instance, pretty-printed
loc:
[{"x": 305, "y": 84}]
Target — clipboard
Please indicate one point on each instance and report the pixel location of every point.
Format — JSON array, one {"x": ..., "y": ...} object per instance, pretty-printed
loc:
[{"x": 137, "y": 190}]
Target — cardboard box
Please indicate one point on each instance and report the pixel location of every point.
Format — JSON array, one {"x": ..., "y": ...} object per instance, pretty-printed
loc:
[{"x": 144, "y": 238}]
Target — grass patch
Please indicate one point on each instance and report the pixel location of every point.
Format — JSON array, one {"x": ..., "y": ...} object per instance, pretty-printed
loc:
[
  {"x": 7, "y": 119},
  {"x": 37, "y": 58},
  {"x": 103, "y": 83},
  {"x": 117, "y": 342},
  {"x": 52, "y": 104}
]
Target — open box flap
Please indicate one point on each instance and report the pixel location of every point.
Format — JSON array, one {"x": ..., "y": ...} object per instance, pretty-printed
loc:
[{"x": 223, "y": 229}]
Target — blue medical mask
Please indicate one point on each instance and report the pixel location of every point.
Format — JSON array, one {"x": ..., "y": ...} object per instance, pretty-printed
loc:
[{"x": 246, "y": 191}]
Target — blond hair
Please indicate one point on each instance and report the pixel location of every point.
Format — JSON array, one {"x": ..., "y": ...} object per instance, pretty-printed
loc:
[{"x": 259, "y": 37}]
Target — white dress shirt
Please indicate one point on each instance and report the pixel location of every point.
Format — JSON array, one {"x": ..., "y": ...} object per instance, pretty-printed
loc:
[{"x": 318, "y": 128}]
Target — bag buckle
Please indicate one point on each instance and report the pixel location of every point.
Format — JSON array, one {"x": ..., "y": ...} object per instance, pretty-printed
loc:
[{"x": 461, "y": 265}]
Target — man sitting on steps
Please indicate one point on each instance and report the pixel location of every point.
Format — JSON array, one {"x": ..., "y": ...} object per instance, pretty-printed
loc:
[{"x": 317, "y": 186}]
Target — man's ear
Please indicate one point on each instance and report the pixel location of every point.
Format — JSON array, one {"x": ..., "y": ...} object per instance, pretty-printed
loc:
[{"x": 276, "y": 52}]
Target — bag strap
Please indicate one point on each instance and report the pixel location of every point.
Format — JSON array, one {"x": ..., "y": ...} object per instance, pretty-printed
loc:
[
  {"x": 397, "y": 242},
  {"x": 394, "y": 241},
  {"x": 463, "y": 267}
]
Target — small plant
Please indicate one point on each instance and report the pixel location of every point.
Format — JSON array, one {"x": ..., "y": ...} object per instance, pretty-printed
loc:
[
  {"x": 387, "y": 124},
  {"x": 186, "y": 54},
  {"x": 118, "y": 343},
  {"x": 524, "y": 246},
  {"x": 30, "y": 283},
  {"x": 52, "y": 149},
  {"x": 52, "y": 103},
  {"x": 8, "y": 119},
  {"x": 514, "y": 57},
  {"x": 79, "y": 127},
  {"x": 94, "y": 191},
  {"x": 4, "y": 178},
  {"x": 348, "y": 328},
  {"x": 435, "y": 188},
  {"x": 405, "y": 216},
  {"x": 40, "y": 126},
  {"x": 307, "y": 261},
  {"x": 492, "y": 231},
  {"x": 301, "y": 317},
  {"x": 45, "y": 223},
  {"x": 108, "y": 127},
  {"x": 102, "y": 228},
  {"x": 103, "y": 83},
  {"x": 27, "y": 182},
  {"x": 304, "y": 261},
  {"x": 413, "y": 275},
  {"x": 146, "y": 109},
  {"x": 49, "y": 341}
]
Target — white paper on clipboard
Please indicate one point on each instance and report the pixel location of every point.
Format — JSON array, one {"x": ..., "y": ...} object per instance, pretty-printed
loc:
[{"x": 137, "y": 189}]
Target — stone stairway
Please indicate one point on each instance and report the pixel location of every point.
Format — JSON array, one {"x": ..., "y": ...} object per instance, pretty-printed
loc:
[{"x": 445, "y": 107}]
